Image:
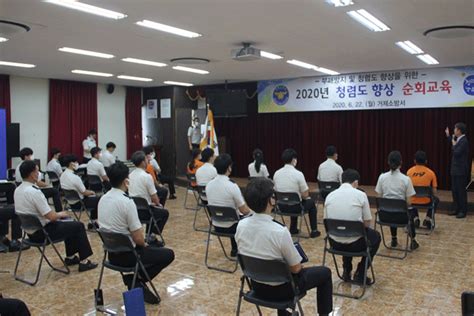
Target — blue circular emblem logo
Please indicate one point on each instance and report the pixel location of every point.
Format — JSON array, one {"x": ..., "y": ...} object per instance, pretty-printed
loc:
[
  {"x": 469, "y": 85},
  {"x": 281, "y": 95}
]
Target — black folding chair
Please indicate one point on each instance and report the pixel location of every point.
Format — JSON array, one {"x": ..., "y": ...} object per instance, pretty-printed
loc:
[
  {"x": 191, "y": 179},
  {"x": 426, "y": 192},
  {"x": 7, "y": 190},
  {"x": 324, "y": 189},
  {"x": 31, "y": 223},
  {"x": 289, "y": 204},
  {"x": 387, "y": 208},
  {"x": 267, "y": 271},
  {"x": 72, "y": 199},
  {"x": 54, "y": 179},
  {"x": 352, "y": 229},
  {"x": 11, "y": 174},
  {"x": 202, "y": 205},
  {"x": 145, "y": 214},
  {"x": 120, "y": 243},
  {"x": 221, "y": 214},
  {"x": 95, "y": 184},
  {"x": 467, "y": 302}
]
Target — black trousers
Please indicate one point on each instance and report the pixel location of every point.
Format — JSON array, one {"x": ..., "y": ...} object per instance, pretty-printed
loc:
[
  {"x": 54, "y": 194},
  {"x": 429, "y": 212},
  {"x": 8, "y": 214},
  {"x": 162, "y": 193},
  {"x": 400, "y": 218},
  {"x": 161, "y": 216},
  {"x": 168, "y": 180},
  {"x": 306, "y": 279},
  {"x": 458, "y": 188},
  {"x": 13, "y": 307},
  {"x": 229, "y": 230},
  {"x": 157, "y": 258},
  {"x": 358, "y": 246},
  {"x": 75, "y": 237},
  {"x": 309, "y": 207}
]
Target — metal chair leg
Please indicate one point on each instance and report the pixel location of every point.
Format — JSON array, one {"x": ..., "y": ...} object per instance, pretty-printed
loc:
[
  {"x": 225, "y": 253},
  {"x": 101, "y": 274},
  {"x": 405, "y": 250}
]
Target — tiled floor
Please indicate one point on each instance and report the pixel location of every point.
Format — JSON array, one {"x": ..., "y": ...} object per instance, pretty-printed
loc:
[{"x": 428, "y": 282}]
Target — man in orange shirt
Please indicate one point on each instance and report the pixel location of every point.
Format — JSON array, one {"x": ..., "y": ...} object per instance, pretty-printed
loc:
[{"x": 423, "y": 176}]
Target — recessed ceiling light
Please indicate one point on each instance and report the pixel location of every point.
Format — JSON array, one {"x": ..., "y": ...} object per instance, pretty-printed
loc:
[
  {"x": 409, "y": 47},
  {"x": 134, "y": 78},
  {"x": 91, "y": 73},
  {"x": 270, "y": 55},
  {"x": 3, "y": 39},
  {"x": 368, "y": 20},
  {"x": 13, "y": 64},
  {"x": 312, "y": 67},
  {"x": 85, "y": 52},
  {"x": 72, "y": 4},
  {"x": 177, "y": 83},
  {"x": 143, "y": 62},
  {"x": 327, "y": 71},
  {"x": 194, "y": 70},
  {"x": 427, "y": 59},
  {"x": 168, "y": 29},
  {"x": 340, "y": 3}
]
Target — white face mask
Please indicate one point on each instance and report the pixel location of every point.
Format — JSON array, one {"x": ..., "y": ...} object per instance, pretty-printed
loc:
[
  {"x": 99, "y": 156},
  {"x": 75, "y": 165},
  {"x": 32, "y": 157},
  {"x": 153, "y": 155}
]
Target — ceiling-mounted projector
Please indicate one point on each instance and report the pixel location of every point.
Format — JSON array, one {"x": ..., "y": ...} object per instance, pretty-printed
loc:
[{"x": 246, "y": 53}]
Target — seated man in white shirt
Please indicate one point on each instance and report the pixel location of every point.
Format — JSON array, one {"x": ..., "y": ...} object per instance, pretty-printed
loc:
[
  {"x": 257, "y": 168},
  {"x": 290, "y": 180},
  {"x": 108, "y": 157},
  {"x": 260, "y": 237},
  {"x": 88, "y": 144},
  {"x": 30, "y": 201},
  {"x": 53, "y": 164},
  {"x": 70, "y": 181},
  {"x": 96, "y": 168},
  {"x": 141, "y": 185},
  {"x": 26, "y": 154},
  {"x": 330, "y": 171},
  {"x": 150, "y": 152},
  {"x": 207, "y": 171},
  {"x": 350, "y": 204},
  {"x": 221, "y": 191},
  {"x": 118, "y": 214}
]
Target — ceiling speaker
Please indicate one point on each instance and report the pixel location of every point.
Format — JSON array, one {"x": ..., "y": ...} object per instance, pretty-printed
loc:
[{"x": 110, "y": 88}]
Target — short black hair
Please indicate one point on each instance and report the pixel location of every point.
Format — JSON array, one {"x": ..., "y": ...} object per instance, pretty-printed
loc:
[
  {"x": 394, "y": 160},
  {"x": 461, "y": 126},
  {"x": 55, "y": 151},
  {"x": 26, "y": 168},
  {"x": 68, "y": 159},
  {"x": 350, "y": 176},
  {"x": 95, "y": 151},
  {"x": 110, "y": 145},
  {"x": 288, "y": 155},
  {"x": 420, "y": 157},
  {"x": 138, "y": 157},
  {"x": 117, "y": 173},
  {"x": 222, "y": 163},
  {"x": 206, "y": 154},
  {"x": 93, "y": 131},
  {"x": 257, "y": 193},
  {"x": 148, "y": 150},
  {"x": 25, "y": 152},
  {"x": 331, "y": 151}
]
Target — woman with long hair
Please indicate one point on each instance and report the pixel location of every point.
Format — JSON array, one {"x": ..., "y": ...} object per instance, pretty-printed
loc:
[{"x": 257, "y": 168}]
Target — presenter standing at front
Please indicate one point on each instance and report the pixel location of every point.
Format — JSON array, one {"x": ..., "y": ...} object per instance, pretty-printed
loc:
[
  {"x": 194, "y": 134},
  {"x": 459, "y": 169}
]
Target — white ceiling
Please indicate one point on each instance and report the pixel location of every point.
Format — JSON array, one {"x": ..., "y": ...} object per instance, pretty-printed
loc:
[{"x": 307, "y": 30}]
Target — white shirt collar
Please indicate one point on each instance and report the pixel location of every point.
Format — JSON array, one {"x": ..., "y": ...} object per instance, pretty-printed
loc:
[
  {"x": 289, "y": 165},
  {"x": 460, "y": 137},
  {"x": 262, "y": 217},
  {"x": 346, "y": 186}
]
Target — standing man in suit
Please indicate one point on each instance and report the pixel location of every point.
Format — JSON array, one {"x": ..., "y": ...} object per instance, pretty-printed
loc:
[{"x": 459, "y": 168}]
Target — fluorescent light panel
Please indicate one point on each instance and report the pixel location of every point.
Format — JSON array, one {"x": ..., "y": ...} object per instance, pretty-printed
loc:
[
  {"x": 312, "y": 67},
  {"x": 72, "y": 4},
  {"x": 428, "y": 59},
  {"x": 143, "y": 62},
  {"x": 409, "y": 47},
  {"x": 3, "y": 39},
  {"x": 194, "y": 70},
  {"x": 91, "y": 73},
  {"x": 177, "y": 83},
  {"x": 14, "y": 64},
  {"x": 85, "y": 52},
  {"x": 168, "y": 29},
  {"x": 134, "y": 78},
  {"x": 270, "y": 55},
  {"x": 340, "y": 3},
  {"x": 368, "y": 20}
]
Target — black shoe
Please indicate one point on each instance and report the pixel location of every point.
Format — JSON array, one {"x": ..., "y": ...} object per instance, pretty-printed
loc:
[
  {"x": 417, "y": 222},
  {"x": 461, "y": 215},
  {"x": 315, "y": 233},
  {"x": 294, "y": 231},
  {"x": 233, "y": 253},
  {"x": 149, "y": 297},
  {"x": 87, "y": 266},
  {"x": 428, "y": 223},
  {"x": 93, "y": 226},
  {"x": 15, "y": 245},
  {"x": 359, "y": 279},
  {"x": 72, "y": 261},
  {"x": 156, "y": 243},
  {"x": 172, "y": 197},
  {"x": 414, "y": 245},
  {"x": 346, "y": 276},
  {"x": 3, "y": 248},
  {"x": 394, "y": 242},
  {"x": 453, "y": 213}
]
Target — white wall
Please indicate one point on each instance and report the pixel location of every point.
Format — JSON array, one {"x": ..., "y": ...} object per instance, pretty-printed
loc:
[
  {"x": 30, "y": 107},
  {"x": 111, "y": 119}
]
